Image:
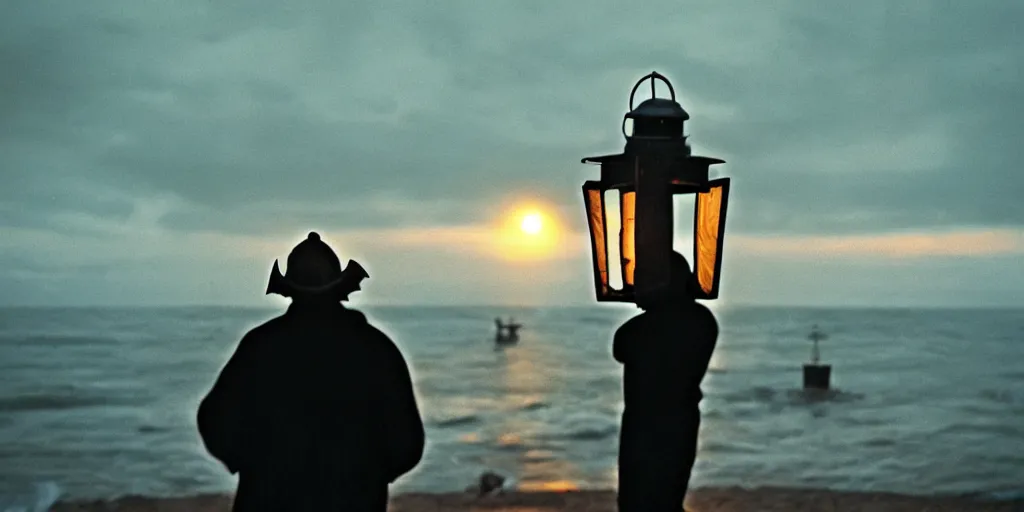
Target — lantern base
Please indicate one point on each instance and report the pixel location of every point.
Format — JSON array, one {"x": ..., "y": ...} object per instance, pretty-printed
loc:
[{"x": 816, "y": 376}]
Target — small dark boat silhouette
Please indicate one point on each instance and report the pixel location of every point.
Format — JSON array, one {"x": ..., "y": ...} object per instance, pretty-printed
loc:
[{"x": 507, "y": 333}]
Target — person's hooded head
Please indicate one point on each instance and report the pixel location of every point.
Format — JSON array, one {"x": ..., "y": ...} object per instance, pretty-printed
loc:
[
  {"x": 682, "y": 284},
  {"x": 314, "y": 274},
  {"x": 682, "y": 281}
]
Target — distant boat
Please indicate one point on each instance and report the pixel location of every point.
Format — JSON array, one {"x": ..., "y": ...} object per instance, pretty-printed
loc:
[{"x": 506, "y": 333}]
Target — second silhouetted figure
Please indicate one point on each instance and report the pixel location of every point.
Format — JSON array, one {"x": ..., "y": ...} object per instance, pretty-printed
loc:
[
  {"x": 315, "y": 410},
  {"x": 665, "y": 353}
]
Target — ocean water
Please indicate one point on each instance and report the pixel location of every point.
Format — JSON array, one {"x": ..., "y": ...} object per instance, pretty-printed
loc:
[{"x": 101, "y": 402}]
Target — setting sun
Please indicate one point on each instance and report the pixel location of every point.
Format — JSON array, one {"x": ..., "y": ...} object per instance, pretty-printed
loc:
[
  {"x": 529, "y": 231},
  {"x": 532, "y": 224}
]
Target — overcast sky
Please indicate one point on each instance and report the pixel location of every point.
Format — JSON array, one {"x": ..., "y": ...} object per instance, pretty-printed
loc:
[{"x": 167, "y": 152}]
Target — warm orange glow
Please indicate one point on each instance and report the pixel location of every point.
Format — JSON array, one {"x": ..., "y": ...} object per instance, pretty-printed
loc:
[
  {"x": 471, "y": 437},
  {"x": 532, "y": 223},
  {"x": 629, "y": 236},
  {"x": 595, "y": 216},
  {"x": 509, "y": 439},
  {"x": 553, "y": 486},
  {"x": 710, "y": 204},
  {"x": 485, "y": 240},
  {"x": 961, "y": 243},
  {"x": 504, "y": 240}
]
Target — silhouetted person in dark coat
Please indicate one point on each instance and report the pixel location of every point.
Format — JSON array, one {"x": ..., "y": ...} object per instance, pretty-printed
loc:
[
  {"x": 315, "y": 410},
  {"x": 665, "y": 353}
]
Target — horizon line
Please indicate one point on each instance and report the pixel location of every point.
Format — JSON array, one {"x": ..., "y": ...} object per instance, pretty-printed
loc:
[{"x": 607, "y": 305}]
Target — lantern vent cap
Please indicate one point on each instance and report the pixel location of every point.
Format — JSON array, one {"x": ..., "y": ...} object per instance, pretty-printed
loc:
[
  {"x": 655, "y": 118},
  {"x": 658, "y": 108}
]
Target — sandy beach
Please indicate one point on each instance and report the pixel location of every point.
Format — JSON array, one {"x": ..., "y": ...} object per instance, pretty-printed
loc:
[{"x": 699, "y": 500}]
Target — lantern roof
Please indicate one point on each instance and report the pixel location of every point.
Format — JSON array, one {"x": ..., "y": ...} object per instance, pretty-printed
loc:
[{"x": 603, "y": 158}]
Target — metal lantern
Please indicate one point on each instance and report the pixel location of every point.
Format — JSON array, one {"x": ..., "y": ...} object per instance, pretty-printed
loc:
[{"x": 655, "y": 165}]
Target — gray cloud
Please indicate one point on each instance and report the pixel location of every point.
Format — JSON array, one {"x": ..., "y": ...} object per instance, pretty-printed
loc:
[
  {"x": 828, "y": 116},
  {"x": 266, "y": 117}
]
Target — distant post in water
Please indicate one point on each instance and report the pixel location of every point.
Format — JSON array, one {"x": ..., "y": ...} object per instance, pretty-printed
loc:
[
  {"x": 816, "y": 375},
  {"x": 656, "y": 165}
]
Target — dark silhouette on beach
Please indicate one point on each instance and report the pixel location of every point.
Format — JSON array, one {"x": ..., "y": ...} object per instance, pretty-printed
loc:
[
  {"x": 665, "y": 353},
  {"x": 506, "y": 333},
  {"x": 315, "y": 410}
]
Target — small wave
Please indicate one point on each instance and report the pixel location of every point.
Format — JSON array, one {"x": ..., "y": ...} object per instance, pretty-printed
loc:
[
  {"x": 509, "y": 440},
  {"x": 470, "y": 438},
  {"x": 1002, "y": 396},
  {"x": 1005, "y": 495},
  {"x": 45, "y": 402},
  {"x": 755, "y": 394},
  {"x": 538, "y": 455},
  {"x": 761, "y": 393},
  {"x": 880, "y": 442},
  {"x": 784, "y": 397},
  {"x": 584, "y": 427},
  {"x": 593, "y": 433},
  {"x": 535, "y": 406},
  {"x": 813, "y": 396},
  {"x": 42, "y": 496},
  {"x": 712, "y": 413},
  {"x": 1008, "y": 430},
  {"x": 585, "y": 433},
  {"x": 866, "y": 421},
  {"x": 724, "y": 447},
  {"x": 597, "y": 320},
  {"x": 60, "y": 341},
  {"x": 457, "y": 421}
]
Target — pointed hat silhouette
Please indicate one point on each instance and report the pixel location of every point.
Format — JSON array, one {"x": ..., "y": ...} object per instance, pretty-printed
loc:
[{"x": 314, "y": 270}]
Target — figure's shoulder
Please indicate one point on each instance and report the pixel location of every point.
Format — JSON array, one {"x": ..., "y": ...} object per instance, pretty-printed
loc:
[
  {"x": 633, "y": 323},
  {"x": 266, "y": 329},
  {"x": 638, "y": 318},
  {"x": 702, "y": 310},
  {"x": 635, "y": 328},
  {"x": 705, "y": 315},
  {"x": 368, "y": 332},
  {"x": 383, "y": 348},
  {"x": 357, "y": 318},
  {"x": 355, "y": 321},
  {"x": 256, "y": 339}
]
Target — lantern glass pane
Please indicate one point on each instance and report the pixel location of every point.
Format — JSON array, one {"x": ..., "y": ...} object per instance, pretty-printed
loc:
[
  {"x": 628, "y": 210},
  {"x": 613, "y": 223},
  {"x": 683, "y": 213},
  {"x": 595, "y": 216},
  {"x": 706, "y": 232}
]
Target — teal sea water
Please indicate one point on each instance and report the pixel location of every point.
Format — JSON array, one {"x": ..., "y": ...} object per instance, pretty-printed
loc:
[{"x": 101, "y": 402}]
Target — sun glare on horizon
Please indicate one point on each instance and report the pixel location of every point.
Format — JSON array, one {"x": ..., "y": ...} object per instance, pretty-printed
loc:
[
  {"x": 532, "y": 224},
  {"x": 530, "y": 232}
]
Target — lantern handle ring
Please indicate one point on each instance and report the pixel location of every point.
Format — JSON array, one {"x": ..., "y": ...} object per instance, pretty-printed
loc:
[{"x": 653, "y": 76}]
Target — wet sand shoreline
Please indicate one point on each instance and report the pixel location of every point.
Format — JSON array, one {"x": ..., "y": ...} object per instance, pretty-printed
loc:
[{"x": 729, "y": 499}]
